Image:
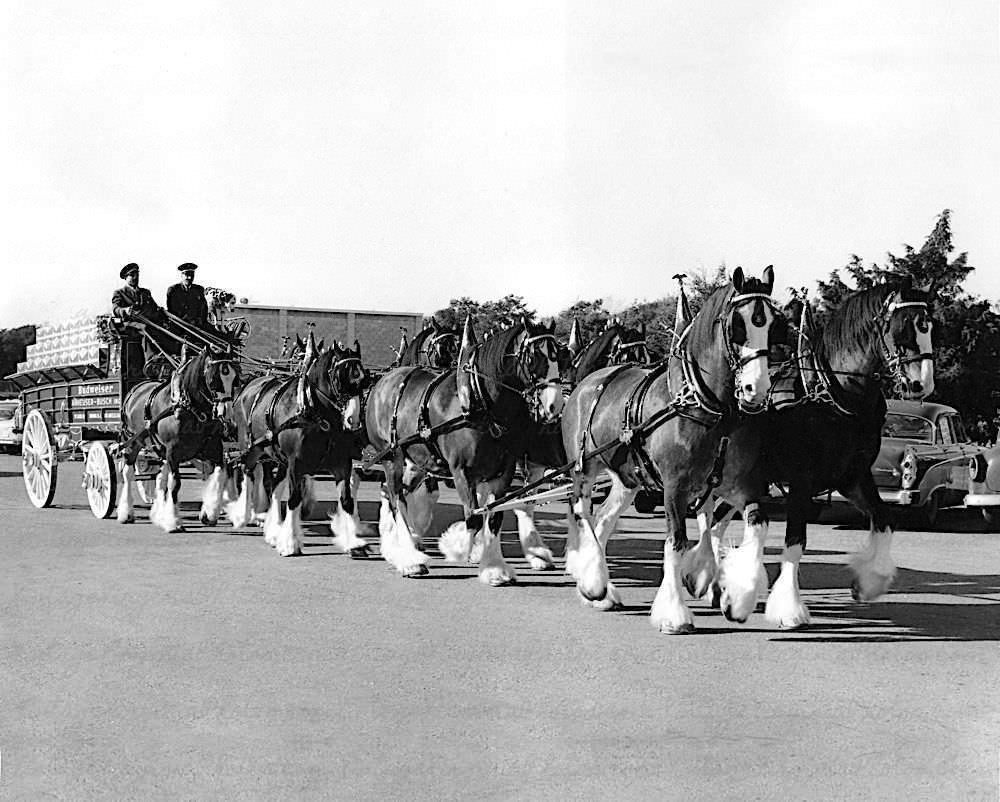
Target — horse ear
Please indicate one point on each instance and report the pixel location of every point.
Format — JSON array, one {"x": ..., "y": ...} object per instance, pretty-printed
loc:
[
  {"x": 575, "y": 338},
  {"x": 435, "y": 325},
  {"x": 769, "y": 278},
  {"x": 525, "y": 322},
  {"x": 552, "y": 326},
  {"x": 738, "y": 279},
  {"x": 357, "y": 347},
  {"x": 469, "y": 338},
  {"x": 642, "y": 329}
]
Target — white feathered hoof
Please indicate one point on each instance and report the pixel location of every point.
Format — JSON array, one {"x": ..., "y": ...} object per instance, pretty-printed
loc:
[
  {"x": 126, "y": 517},
  {"x": 611, "y": 602},
  {"x": 207, "y": 520},
  {"x": 669, "y": 614},
  {"x": 360, "y": 552},
  {"x": 784, "y": 612},
  {"x": 497, "y": 576},
  {"x": 869, "y": 585},
  {"x": 738, "y": 602},
  {"x": 414, "y": 570},
  {"x": 541, "y": 561}
]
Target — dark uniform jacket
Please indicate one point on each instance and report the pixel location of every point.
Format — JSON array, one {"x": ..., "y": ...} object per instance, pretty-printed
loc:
[
  {"x": 138, "y": 298},
  {"x": 189, "y": 304}
]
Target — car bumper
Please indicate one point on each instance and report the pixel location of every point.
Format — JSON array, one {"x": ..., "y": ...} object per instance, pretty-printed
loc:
[
  {"x": 982, "y": 500},
  {"x": 904, "y": 498}
]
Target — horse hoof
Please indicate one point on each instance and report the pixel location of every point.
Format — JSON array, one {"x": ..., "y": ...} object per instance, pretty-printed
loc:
[
  {"x": 540, "y": 564},
  {"x": 360, "y": 553},
  {"x": 129, "y": 520},
  {"x": 683, "y": 629},
  {"x": 176, "y": 529},
  {"x": 413, "y": 571},
  {"x": 206, "y": 520},
  {"x": 593, "y": 597}
]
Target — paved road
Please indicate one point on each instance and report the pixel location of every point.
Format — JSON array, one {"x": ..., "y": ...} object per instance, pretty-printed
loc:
[{"x": 141, "y": 665}]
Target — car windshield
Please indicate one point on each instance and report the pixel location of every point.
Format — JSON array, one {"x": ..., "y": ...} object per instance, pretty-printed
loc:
[
  {"x": 908, "y": 427},
  {"x": 6, "y": 411}
]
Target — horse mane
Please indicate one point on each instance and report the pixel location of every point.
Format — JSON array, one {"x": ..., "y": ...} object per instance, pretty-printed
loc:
[
  {"x": 704, "y": 320},
  {"x": 850, "y": 326},
  {"x": 409, "y": 356},
  {"x": 491, "y": 352},
  {"x": 599, "y": 346}
]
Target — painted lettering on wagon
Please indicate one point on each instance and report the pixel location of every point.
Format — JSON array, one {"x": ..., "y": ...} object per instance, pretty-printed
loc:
[
  {"x": 79, "y": 403},
  {"x": 94, "y": 389}
]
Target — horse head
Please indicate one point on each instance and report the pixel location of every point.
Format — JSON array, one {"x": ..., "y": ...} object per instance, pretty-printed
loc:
[
  {"x": 538, "y": 367},
  {"x": 441, "y": 347},
  {"x": 750, "y": 324},
  {"x": 628, "y": 345},
  {"x": 220, "y": 372},
  {"x": 905, "y": 327},
  {"x": 338, "y": 378}
]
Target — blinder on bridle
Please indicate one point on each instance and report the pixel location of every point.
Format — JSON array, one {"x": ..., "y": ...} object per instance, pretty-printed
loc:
[
  {"x": 905, "y": 320},
  {"x": 736, "y": 330}
]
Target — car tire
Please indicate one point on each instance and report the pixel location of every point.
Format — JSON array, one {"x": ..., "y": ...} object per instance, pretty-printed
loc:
[{"x": 991, "y": 518}]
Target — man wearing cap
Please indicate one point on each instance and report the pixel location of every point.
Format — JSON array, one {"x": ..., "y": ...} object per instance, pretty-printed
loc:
[
  {"x": 187, "y": 301},
  {"x": 131, "y": 301}
]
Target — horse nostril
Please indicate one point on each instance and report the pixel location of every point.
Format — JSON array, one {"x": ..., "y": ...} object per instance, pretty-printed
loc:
[
  {"x": 748, "y": 389},
  {"x": 916, "y": 386}
]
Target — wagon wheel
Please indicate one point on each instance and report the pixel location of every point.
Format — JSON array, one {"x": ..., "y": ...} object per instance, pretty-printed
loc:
[
  {"x": 39, "y": 460},
  {"x": 100, "y": 478}
]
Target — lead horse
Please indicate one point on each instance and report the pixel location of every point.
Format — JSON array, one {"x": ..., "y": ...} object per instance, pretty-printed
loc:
[
  {"x": 665, "y": 428},
  {"x": 830, "y": 436},
  {"x": 469, "y": 424},
  {"x": 181, "y": 420}
]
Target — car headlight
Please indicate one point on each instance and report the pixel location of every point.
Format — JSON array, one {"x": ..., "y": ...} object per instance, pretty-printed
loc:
[
  {"x": 908, "y": 470},
  {"x": 977, "y": 468}
]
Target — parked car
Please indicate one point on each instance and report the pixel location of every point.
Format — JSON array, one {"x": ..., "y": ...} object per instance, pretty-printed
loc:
[
  {"x": 925, "y": 457},
  {"x": 9, "y": 439},
  {"x": 984, "y": 486}
]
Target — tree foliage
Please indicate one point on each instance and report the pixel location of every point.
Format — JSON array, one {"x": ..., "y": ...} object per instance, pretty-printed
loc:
[
  {"x": 13, "y": 345},
  {"x": 486, "y": 315}
]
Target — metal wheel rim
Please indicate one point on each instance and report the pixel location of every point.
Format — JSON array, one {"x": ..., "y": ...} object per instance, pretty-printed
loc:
[{"x": 39, "y": 462}]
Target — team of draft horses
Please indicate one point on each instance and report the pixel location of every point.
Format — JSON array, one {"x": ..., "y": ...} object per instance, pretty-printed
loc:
[{"x": 709, "y": 427}]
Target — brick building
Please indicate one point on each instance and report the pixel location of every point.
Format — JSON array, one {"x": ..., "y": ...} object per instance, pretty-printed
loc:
[{"x": 378, "y": 332}]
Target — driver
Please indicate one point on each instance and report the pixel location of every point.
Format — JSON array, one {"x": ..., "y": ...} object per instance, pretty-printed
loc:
[{"x": 131, "y": 301}]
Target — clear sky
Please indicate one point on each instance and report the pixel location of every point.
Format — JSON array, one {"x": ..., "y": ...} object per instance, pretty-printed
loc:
[{"x": 392, "y": 155}]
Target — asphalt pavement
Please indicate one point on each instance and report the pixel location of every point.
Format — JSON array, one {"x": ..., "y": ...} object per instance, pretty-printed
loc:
[{"x": 199, "y": 665}]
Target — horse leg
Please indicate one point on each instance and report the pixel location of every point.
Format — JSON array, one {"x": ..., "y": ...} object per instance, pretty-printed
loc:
[
  {"x": 669, "y": 612},
  {"x": 344, "y": 520},
  {"x": 538, "y": 555},
  {"x": 169, "y": 518},
  {"x": 239, "y": 510},
  {"x": 456, "y": 542},
  {"x": 493, "y": 569},
  {"x": 590, "y": 565},
  {"x": 126, "y": 509},
  {"x": 874, "y": 569},
  {"x": 288, "y": 538},
  {"x": 742, "y": 577},
  {"x": 572, "y": 552},
  {"x": 276, "y": 490},
  {"x": 260, "y": 493},
  {"x": 212, "y": 493},
  {"x": 700, "y": 565},
  {"x": 605, "y": 521},
  {"x": 402, "y": 553},
  {"x": 784, "y": 604}
]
